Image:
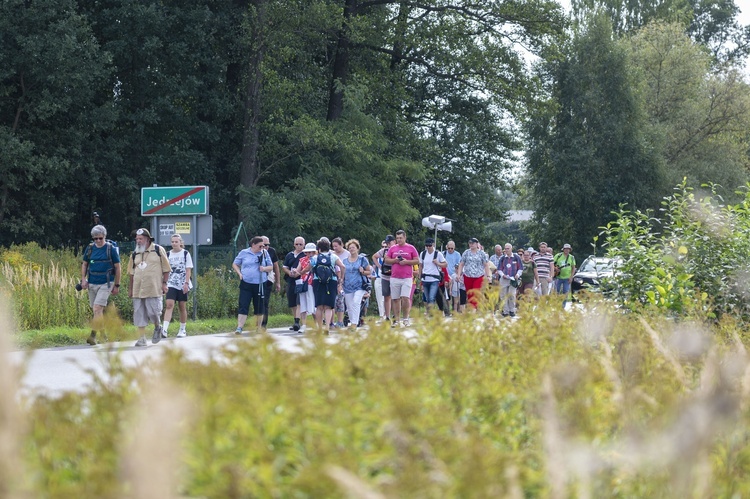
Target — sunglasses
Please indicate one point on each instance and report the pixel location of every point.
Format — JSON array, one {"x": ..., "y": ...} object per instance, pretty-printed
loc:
[
  {"x": 428, "y": 245},
  {"x": 298, "y": 244},
  {"x": 98, "y": 239}
]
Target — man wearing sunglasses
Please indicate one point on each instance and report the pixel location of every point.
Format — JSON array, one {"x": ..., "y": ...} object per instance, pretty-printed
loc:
[
  {"x": 291, "y": 262},
  {"x": 100, "y": 275}
]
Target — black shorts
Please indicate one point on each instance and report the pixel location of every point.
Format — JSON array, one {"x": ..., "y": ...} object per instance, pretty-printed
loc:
[
  {"x": 176, "y": 294},
  {"x": 292, "y": 299}
]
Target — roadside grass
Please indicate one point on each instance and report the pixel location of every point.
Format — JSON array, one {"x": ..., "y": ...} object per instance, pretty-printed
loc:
[{"x": 64, "y": 336}]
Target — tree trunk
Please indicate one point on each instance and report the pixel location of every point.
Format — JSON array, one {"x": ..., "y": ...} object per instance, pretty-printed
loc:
[
  {"x": 341, "y": 65},
  {"x": 249, "y": 169}
]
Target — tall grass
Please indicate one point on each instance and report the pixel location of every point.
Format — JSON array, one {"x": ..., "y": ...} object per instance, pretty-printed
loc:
[
  {"x": 42, "y": 284},
  {"x": 582, "y": 404}
]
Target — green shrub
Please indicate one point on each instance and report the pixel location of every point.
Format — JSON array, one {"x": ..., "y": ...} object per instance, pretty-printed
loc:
[{"x": 692, "y": 260}]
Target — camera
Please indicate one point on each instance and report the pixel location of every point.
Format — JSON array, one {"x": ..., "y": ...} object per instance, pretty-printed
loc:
[
  {"x": 78, "y": 286},
  {"x": 400, "y": 258}
]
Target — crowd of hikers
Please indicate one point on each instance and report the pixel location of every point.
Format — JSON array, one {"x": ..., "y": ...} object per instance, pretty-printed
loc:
[
  {"x": 331, "y": 280},
  {"x": 334, "y": 281}
]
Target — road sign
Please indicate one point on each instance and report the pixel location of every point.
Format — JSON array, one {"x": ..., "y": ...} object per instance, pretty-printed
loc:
[{"x": 185, "y": 200}]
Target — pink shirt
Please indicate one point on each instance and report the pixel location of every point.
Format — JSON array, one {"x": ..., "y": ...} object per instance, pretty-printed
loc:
[{"x": 409, "y": 252}]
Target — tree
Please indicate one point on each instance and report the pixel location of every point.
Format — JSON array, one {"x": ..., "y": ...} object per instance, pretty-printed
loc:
[
  {"x": 589, "y": 152},
  {"x": 50, "y": 117},
  {"x": 699, "y": 115}
]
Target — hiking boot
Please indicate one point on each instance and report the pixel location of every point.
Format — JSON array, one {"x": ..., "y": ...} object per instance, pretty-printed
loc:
[
  {"x": 91, "y": 340},
  {"x": 156, "y": 338},
  {"x": 141, "y": 342},
  {"x": 296, "y": 327},
  {"x": 181, "y": 334}
]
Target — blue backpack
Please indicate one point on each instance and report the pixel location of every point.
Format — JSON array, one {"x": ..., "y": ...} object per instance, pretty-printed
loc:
[
  {"x": 323, "y": 268},
  {"x": 111, "y": 246}
]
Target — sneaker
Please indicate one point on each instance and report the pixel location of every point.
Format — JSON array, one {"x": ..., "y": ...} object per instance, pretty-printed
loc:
[
  {"x": 91, "y": 340},
  {"x": 164, "y": 333},
  {"x": 238, "y": 330},
  {"x": 394, "y": 324},
  {"x": 181, "y": 334},
  {"x": 301, "y": 330},
  {"x": 156, "y": 338},
  {"x": 406, "y": 322},
  {"x": 141, "y": 342},
  {"x": 512, "y": 314}
]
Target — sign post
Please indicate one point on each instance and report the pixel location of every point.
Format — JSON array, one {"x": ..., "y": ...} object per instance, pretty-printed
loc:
[{"x": 178, "y": 207}]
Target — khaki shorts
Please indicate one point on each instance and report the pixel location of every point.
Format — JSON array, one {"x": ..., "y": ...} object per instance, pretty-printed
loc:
[
  {"x": 400, "y": 288},
  {"x": 147, "y": 311},
  {"x": 99, "y": 294}
]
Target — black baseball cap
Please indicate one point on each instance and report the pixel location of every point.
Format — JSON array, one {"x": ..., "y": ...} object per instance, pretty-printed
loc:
[
  {"x": 429, "y": 241},
  {"x": 389, "y": 238},
  {"x": 473, "y": 240}
]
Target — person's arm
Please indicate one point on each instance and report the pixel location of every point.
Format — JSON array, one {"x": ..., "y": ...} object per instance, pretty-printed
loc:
[
  {"x": 377, "y": 257},
  {"x": 188, "y": 275},
  {"x": 487, "y": 272},
  {"x": 460, "y": 270},
  {"x": 237, "y": 270},
  {"x": 340, "y": 272},
  {"x": 118, "y": 276},
  {"x": 572, "y": 271},
  {"x": 441, "y": 264},
  {"x": 413, "y": 261},
  {"x": 389, "y": 260},
  {"x": 84, "y": 273},
  {"x": 277, "y": 276}
]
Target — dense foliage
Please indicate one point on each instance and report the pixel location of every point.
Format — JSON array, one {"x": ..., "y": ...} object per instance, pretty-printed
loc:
[
  {"x": 337, "y": 117},
  {"x": 689, "y": 258}
]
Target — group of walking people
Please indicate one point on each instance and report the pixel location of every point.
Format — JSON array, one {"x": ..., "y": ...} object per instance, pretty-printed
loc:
[{"x": 330, "y": 278}]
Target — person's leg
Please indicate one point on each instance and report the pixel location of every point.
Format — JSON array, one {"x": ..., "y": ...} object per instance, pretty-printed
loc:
[
  {"x": 431, "y": 291},
  {"x": 396, "y": 290},
  {"x": 243, "y": 306},
  {"x": 378, "y": 287},
  {"x": 387, "y": 301},
  {"x": 183, "y": 315},
  {"x": 168, "y": 309},
  {"x": 267, "y": 290},
  {"x": 503, "y": 304},
  {"x": 353, "y": 305}
]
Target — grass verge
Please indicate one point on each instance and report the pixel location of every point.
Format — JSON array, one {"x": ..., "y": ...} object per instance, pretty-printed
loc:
[{"x": 64, "y": 336}]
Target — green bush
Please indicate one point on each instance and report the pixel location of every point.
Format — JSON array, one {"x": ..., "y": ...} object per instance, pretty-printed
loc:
[{"x": 691, "y": 260}]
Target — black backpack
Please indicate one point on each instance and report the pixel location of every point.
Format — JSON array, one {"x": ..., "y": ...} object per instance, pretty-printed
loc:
[
  {"x": 385, "y": 268},
  {"x": 323, "y": 268}
]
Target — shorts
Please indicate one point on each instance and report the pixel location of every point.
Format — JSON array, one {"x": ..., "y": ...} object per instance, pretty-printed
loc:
[
  {"x": 291, "y": 296},
  {"x": 400, "y": 288},
  {"x": 385, "y": 287},
  {"x": 99, "y": 294},
  {"x": 176, "y": 294},
  {"x": 147, "y": 311},
  {"x": 325, "y": 294}
]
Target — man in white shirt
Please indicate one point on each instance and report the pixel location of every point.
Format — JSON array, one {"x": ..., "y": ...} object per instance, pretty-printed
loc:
[{"x": 431, "y": 264}]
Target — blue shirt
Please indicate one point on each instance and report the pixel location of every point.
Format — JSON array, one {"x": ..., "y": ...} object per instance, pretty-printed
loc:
[
  {"x": 101, "y": 270},
  {"x": 250, "y": 263},
  {"x": 453, "y": 261},
  {"x": 353, "y": 279}
]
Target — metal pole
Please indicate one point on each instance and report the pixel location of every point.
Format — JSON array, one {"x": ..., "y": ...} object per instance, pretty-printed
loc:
[{"x": 195, "y": 267}]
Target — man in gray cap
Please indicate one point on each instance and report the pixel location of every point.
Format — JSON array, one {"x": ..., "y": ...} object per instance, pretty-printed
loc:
[{"x": 149, "y": 271}]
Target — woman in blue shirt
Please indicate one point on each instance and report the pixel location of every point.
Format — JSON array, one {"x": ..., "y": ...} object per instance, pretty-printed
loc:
[
  {"x": 252, "y": 265},
  {"x": 357, "y": 273}
]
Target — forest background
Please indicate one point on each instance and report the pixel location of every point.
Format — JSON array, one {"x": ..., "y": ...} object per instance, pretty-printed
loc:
[{"x": 357, "y": 117}]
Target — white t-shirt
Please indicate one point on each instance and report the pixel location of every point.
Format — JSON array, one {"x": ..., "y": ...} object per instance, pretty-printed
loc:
[
  {"x": 429, "y": 268},
  {"x": 179, "y": 262}
]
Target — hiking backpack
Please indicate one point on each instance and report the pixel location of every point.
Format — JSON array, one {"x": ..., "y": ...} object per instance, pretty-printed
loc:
[{"x": 323, "y": 268}]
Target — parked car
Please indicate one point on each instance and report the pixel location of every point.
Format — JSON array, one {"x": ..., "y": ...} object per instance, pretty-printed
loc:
[{"x": 592, "y": 270}]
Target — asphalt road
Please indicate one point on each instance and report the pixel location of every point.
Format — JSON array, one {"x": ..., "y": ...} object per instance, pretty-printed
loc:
[{"x": 52, "y": 371}]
